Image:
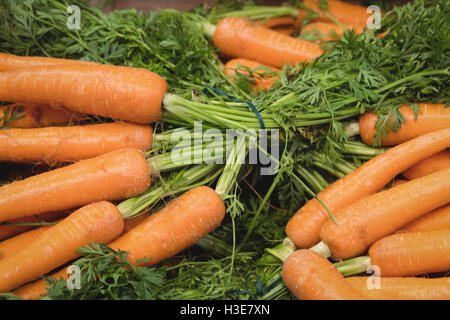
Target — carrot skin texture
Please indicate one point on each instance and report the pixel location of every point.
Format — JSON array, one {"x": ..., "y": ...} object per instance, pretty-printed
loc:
[
  {"x": 432, "y": 164},
  {"x": 112, "y": 176},
  {"x": 412, "y": 253},
  {"x": 10, "y": 246},
  {"x": 98, "y": 222},
  {"x": 8, "y": 231},
  {"x": 265, "y": 83},
  {"x": 242, "y": 38},
  {"x": 434, "y": 220},
  {"x": 403, "y": 288},
  {"x": 344, "y": 12},
  {"x": 304, "y": 227},
  {"x": 54, "y": 145},
  {"x": 432, "y": 118},
  {"x": 124, "y": 93},
  {"x": 10, "y": 62},
  {"x": 365, "y": 221},
  {"x": 310, "y": 276},
  {"x": 174, "y": 228}
]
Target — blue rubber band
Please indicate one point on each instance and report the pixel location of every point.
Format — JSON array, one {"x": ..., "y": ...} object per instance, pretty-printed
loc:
[{"x": 249, "y": 103}]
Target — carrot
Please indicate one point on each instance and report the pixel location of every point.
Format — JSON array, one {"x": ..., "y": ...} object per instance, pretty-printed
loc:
[
  {"x": 330, "y": 31},
  {"x": 365, "y": 221},
  {"x": 287, "y": 30},
  {"x": 15, "y": 244},
  {"x": 262, "y": 81},
  {"x": 36, "y": 289},
  {"x": 276, "y": 22},
  {"x": 55, "y": 145},
  {"x": 174, "y": 228},
  {"x": 17, "y": 226},
  {"x": 125, "y": 93},
  {"x": 402, "y": 288},
  {"x": 434, "y": 220},
  {"x": 398, "y": 182},
  {"x": 242, "y": 38},
  {"x": 431, "y": 118},
  {"x": 130, "y": 223},
  {"x": 97, "y": 222},
  {"x": 304, "y": 227},
  {"x": 412, "y": 253},
  {"x": 344, "y": 12},
  {"x": 432, "y": 164},
  {"x": 310, "y": 276},
  {"x": 9, "y": 62},
  {"x": 33, "y": 116},
  {"x": 112, "y": 176}
]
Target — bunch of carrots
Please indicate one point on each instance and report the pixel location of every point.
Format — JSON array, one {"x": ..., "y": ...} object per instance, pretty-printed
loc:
[
  {"x": 52, "y": 119},
  {"x": 92, "y": 166},
  {"x": 405, "y": 229},
  {"x": 310, "y": 21}
]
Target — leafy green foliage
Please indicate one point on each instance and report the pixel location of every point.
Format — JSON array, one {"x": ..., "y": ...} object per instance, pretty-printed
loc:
[{"x": 107, "y": 274}]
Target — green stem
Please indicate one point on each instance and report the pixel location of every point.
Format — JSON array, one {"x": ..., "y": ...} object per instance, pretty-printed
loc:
[{"x": 262, "y": 12}]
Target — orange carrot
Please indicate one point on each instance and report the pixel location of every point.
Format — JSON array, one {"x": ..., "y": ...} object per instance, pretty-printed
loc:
[
  {"x": 330, "y": 31},
  {"x": 33, "y": 116},
  {"x": 125, "y": 93},
  {"x": 431, "y": 118},
  {"x": 365, "y": 221},
  {"x": 287, "y": 30},
  {"x": 432, "y": 164},
  {"x": 36, "y": 289},
  {"x": 113, "y": 176},
  {"x": 130, "y": 223},
  {"x": 55, "y": 145},
  {"x": 310, "y": 276},
  {"x": 174, "y": 228},
  {"x": 434, "y": 220},
  {"x": 398, "y": 182},
  {"x": 344, "y": 12},
  {"x": 13, "y": 229},
  {"x": 412, "y": 253},
  {"x": 242, "y": 38},
  {"x": 304, "y": 227},
  {"x": 402, "y": 288},
  {"x": 15, "y": 244},
  {"x": 262, "y": 81},
  {"x": 161, "y": 235},
  {"x": 9, "y": 62},
  {"x": 276, "y": 22},
  {"x": 97, "y": 222}
]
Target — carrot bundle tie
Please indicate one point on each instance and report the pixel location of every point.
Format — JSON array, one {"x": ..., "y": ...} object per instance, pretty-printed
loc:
[
  {"x": 259, "y": 290},
  {"x": 250, "y": 104}
]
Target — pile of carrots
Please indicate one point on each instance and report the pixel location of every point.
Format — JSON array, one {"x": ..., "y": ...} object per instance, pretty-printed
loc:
[
  {"x": 270, "y": 44},
  {"x": 404, "y": 229},
  {"x": 92, "y": 165}
]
